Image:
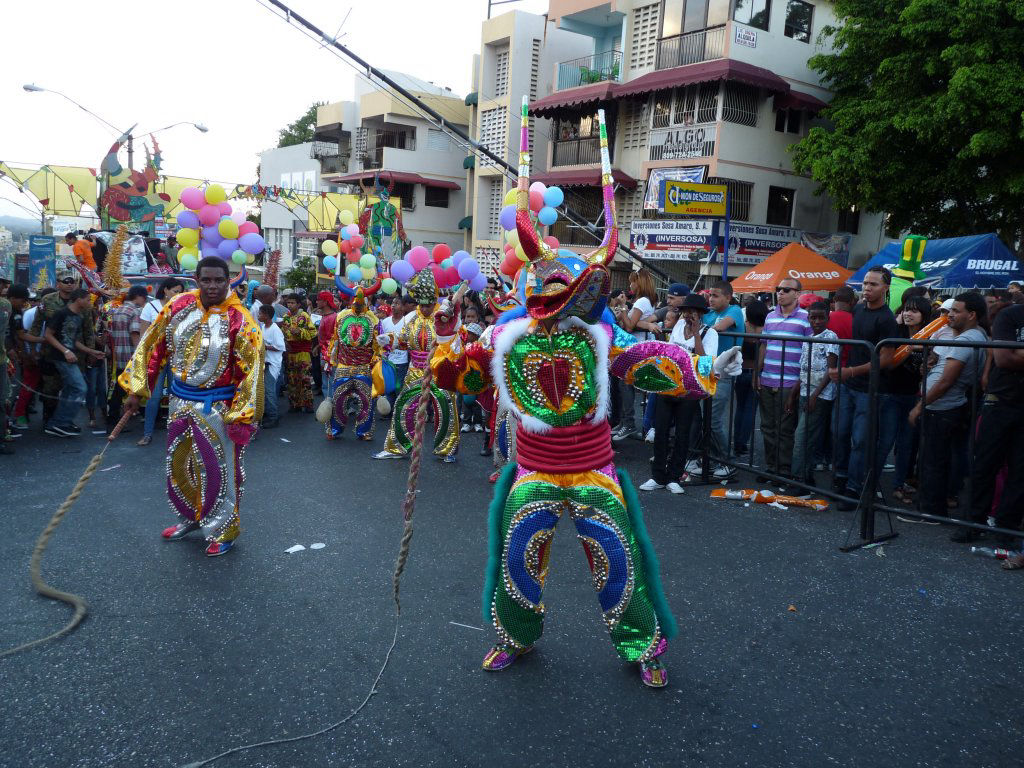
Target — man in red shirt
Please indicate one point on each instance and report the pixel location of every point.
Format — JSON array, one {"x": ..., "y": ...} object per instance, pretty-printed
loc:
[{"x": 840, "y": 322}]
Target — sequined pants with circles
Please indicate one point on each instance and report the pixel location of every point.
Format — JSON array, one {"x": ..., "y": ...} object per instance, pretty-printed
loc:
[
  {"x": 403, "y": 420},
  {"x": 204, "y": 470},
  {"x": 595, "y": 503},
  {"x": 348, "y": 389}
]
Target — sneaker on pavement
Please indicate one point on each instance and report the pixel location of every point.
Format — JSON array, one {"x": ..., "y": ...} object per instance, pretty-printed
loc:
[
  {"x": 651, "y": 485},
  {"x": 20, "y": 423},
  {"x": 624, "y": 434},
  {"x": 675, "y": 488},
  {"x": 693, "y": 466},
  {"x": 478, "y": 427},
  {"x": 73, "y": 429},
  {"x": 466, "y": 428},
  {"x": 723, "y": 472},
  {"x": 649, "y": 437},
  {"x": 58, "y": 431},
  {"x": 388, "y": 455}
]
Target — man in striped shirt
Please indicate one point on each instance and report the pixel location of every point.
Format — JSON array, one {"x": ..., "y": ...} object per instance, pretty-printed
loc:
[{"x": 778, "y": 373}]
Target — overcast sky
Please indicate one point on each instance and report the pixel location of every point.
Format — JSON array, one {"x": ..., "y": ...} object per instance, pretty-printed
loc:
[{"x": 229, "y": 64}]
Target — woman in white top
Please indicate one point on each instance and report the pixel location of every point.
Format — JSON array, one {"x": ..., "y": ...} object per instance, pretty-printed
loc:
[
  {"x": 640, "y": 322},
  {"x": 169, "y": 288}
]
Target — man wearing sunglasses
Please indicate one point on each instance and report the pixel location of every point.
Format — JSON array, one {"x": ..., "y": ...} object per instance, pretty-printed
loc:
[
  {"x": 778, "y": 373},
  {"x": 51, "y": 381}
]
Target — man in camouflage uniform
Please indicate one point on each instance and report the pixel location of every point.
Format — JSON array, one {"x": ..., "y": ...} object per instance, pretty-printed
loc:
[{"x": 5, "y": 385}]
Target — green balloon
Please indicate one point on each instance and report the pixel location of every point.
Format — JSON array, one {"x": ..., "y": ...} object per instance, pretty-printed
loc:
[
  {"x": 367, "y": 261},
  {"x": 389, "y": 285}
]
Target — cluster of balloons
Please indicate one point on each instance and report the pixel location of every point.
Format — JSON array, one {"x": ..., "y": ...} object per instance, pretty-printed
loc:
[
  {"x": 209, "y": 227},
  {"x": 543, "y": 202},
  {"x": 449, "y": 268},
  {"x": 351, "y": 244}
]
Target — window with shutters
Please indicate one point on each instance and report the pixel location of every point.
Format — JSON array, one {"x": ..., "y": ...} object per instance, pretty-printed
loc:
[
  {"x": 634, "y": 125},
  {"x": 534, "y": 68},
  {"x": 494, "y": 133},
  {"x": 631, "y": 205},
  {"x": 740, "y": 193},
  {"x": 494, "y": 200},
  {"x": 407, "y": 193},
  {"x": 437, "y": 140},
  {"x": 501, "y": 72},
  {"x": 740, "y": 104},
  {"x": 643, "y": 44}
]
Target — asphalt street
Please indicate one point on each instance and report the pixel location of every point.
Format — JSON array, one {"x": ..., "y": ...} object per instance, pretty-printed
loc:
[{"x": 904, "y": 655}]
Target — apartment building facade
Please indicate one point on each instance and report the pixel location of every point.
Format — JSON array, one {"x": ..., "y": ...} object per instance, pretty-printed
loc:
[{"x": 713, "y": 91}]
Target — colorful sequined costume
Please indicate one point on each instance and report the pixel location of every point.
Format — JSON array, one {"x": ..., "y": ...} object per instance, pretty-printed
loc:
[
  {"x": 551, "y": 370},
  {"x": 216, "y": 360},
  {"x": 299, "y": 333},
  {"x": 353, "y": 353},
  {"x": 418, "y": 336}
]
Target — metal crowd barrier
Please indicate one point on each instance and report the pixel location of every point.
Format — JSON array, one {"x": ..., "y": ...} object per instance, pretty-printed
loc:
[{"x": 867, "y": 503}]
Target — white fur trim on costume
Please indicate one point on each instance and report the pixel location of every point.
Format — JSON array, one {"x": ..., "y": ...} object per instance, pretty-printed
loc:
[{"x": 514, "y": 330}]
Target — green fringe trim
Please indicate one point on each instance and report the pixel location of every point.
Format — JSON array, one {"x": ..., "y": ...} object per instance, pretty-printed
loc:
[
  {"x": 494, "y": 538},
  {"x": 652, "y": 572}
]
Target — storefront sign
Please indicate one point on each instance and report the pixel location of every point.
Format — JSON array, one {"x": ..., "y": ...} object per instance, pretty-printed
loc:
[
  {"x": 687, "y": 199},
  {"x": 694, "y": 174},
  {"x": 683, "y": 143}
]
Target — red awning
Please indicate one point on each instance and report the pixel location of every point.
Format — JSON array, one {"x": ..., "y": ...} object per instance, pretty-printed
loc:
[
  {"x": 799, "y": 100},
  {"x": 400, "y": 176},
  {"x": 549, "y": 106},
  {"x": 704, "y": 72},
  {"x": 589, "y": 177}
]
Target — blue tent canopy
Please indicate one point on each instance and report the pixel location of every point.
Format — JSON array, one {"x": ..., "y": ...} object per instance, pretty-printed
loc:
[{"x": 975, "y": 261}]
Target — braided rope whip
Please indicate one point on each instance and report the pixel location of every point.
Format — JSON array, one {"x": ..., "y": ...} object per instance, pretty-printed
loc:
[
  {"x": 409, "y": 505},
  {"x": 40, "y": 586}
]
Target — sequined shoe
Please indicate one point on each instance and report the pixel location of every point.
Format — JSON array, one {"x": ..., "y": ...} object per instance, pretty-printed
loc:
[
  {"x": 502, "y": 656},
  {"x": 388, "y": 455},
  {"x": 653, "y": 673},
  {"x": 179, "y": 531},
  {"x": 218, "y": 548}
]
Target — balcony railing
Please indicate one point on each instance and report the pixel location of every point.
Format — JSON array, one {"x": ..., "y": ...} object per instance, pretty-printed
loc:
[
  {"x": 590, "y": 69},
  {"x": 691, "y": 47},
  {"x": 577, "y": 152}
]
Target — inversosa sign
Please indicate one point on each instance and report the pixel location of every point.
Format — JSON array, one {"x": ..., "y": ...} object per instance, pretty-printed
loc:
[
  {"x": 689, "y": 199},
  {"x": 681, "y": 240}
]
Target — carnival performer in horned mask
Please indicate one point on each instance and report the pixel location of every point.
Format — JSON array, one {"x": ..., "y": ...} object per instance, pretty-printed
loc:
[
  {"x": 551, "y": 369},
  {"x": 353, "y": 353},
  {"x": 215, "y": 351}
]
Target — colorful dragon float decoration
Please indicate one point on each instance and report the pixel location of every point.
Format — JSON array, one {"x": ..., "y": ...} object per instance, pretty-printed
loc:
[{"x": 131, "y": 195}]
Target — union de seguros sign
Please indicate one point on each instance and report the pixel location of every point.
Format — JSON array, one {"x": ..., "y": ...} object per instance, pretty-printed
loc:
[{"x": 689, "y": 199}]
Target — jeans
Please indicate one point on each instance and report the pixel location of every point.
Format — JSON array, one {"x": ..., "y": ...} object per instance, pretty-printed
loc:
[
  {"x": 629, "y": 395},
  {"x": 1000, "y": 443},
  {"x": 671, "y": 412},
  {"x": 649, "y": 409},
  {"x": 743, "y": 424},
  {"x": 95, "y": 386},
  {"x": 859, "y": 448},
  {"x": 777, "y": 428},
  {"x": 842, "y": 417},
  {"x": 720, "y": 447},
  {"x": 153, "y": 404},
  {"x": 400, "y": 370},
  {"x": 810, "y": 429},
  {"x": 72, "y": 394},
  {"x": 905, "y": 439},
  {"x": 114, "y": 401},
  {"x": 270, "y": 412},
  {"x": 326, "y": 375},
  {"x": 940, "y": 432}
]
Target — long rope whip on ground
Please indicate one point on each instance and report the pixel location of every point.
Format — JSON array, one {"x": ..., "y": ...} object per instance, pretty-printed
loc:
[
  {"x": 408, "y": 506},
  {"x": 40, "y": 586}
]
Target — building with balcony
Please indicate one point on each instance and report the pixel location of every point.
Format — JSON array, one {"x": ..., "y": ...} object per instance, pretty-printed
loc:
[
  {"x": 295, "y": 167},
  {"x": 714, "y": 91},
  {"x": 518, "y": 55}
]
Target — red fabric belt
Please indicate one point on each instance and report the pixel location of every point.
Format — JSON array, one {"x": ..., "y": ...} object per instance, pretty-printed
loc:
[{"x": 563, "y": 450}]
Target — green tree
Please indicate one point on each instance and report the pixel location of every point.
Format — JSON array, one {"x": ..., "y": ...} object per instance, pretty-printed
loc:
[
  {"x": 301, "y": 130},
  {"x": 302, "y": 274},
  {"x": 926, "y": 122}
]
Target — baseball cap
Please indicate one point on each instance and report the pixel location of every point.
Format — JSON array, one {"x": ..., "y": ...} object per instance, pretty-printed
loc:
[
  {"x": 678, "y": 289},
  {"x": 946, "y": 305}
]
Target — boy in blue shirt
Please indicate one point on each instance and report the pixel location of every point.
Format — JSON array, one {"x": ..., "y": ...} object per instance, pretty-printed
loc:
[{"x": 723, "y": 317}]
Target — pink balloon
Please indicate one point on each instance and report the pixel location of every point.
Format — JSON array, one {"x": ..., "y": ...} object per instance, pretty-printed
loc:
[
  {"x": 451, "y": 275},
  {"x": 353, "y": 229},
  {"x": 193, "y": 198},
  {"x": 536, "y": 200},
  {"x": 209, "y": 215},
  {"x": 552, "y": 242},
  {"x": 419, "y": 257},
  {"x": 225, "y": 208},
  {"x": 238, "y": 217},
  {"x": 248, "y": 227},
  {"x": 538, "y": 186},
  {"x": 356, "y": 241}
]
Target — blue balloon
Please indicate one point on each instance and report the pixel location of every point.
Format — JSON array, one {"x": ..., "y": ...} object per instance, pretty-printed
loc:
[
  {"x": 553, "y": 197},
  {"x": 330, "y": 263},
  {"x": 547, "y": 216},
  {"x": 252, "y": 243},
  {"x": 345, "y": 234},
  {"x": 458, "y": 256},
  {"x": 227, "y": 247},
  {"x": 188, "y": 220},
  {"x": 402, "y": 271},
  {"x": 508, "y": 217},
  {"x": 353, "y": 273}
]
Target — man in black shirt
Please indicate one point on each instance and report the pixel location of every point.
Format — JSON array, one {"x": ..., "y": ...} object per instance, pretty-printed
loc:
[
  {"x": 872, "y": 322},
  {"x": 1000, "y": 431},
  {"x": 65, "y": 334}
]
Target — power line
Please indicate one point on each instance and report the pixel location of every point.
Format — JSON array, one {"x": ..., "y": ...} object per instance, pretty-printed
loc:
[{"x": 441, "y": 122}]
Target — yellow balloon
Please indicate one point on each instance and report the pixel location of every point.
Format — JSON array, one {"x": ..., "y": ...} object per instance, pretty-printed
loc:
[
  {"x": 512, "y": 237},
  {"x": 228, "y": 229},
  {"x": 190, "y": 251},
  {"x": 520, "y": 253},
  {"x": 250, "y": 258},
  {"x": 330, "y": 247},
  {"x": 215, "y": 194},
  {"x": 187, "y": 238},
  {"x": 347, "y": 217},
  {"x": 510, "y": 197}
]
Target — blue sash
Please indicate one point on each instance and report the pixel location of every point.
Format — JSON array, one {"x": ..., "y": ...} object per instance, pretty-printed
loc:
[{"x": 199, "y": 395}]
